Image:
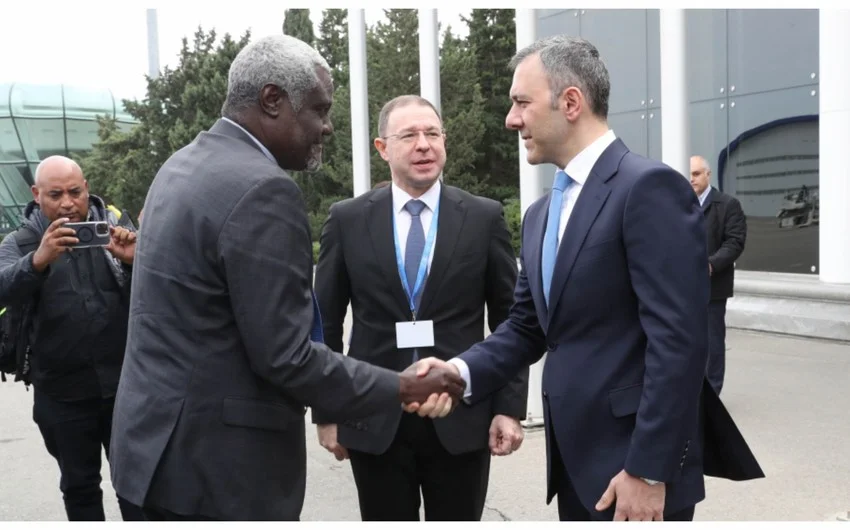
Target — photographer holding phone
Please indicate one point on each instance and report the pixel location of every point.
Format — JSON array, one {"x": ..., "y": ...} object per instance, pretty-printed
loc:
[{"x": 75, "y": 298}]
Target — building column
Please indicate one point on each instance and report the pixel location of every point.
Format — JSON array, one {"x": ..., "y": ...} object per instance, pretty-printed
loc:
[
  {"x": 834, "y": 138},
  {"x": 531, "y": 186},
  {"x": 153, "y": 44},
  {"x": 429, "y": 56},
  {"x": 675, "y": 141},
  {"x": 531, "y": 178},
  {"x": 360, "y": 138}
]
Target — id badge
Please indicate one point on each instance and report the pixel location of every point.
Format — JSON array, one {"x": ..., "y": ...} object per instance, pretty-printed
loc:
[{"x": 416, "y": 334}]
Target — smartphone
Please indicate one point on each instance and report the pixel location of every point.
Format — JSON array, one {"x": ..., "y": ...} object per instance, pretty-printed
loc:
[{"x": 91, "y": 233}]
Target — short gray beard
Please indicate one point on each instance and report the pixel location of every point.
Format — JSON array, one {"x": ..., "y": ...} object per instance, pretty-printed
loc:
[{"x": 314, "y": 159}]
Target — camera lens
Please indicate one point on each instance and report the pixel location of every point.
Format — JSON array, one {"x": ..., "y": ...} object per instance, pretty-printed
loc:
[{"x": 85, "y": 235}]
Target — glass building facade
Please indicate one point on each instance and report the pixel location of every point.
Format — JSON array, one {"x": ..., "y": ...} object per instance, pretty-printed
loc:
[
  {"x": 752, "y": 82},
  {"x": 37, "y": 121}
]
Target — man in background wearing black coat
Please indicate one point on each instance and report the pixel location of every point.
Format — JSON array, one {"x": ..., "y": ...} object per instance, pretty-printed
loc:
[{"x": 726, "y": 234}]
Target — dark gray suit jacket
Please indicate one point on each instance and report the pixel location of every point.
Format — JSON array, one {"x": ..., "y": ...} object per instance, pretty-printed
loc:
[
  {"x": 473, "y": 264},
  {"x": 209, "y": 416}
]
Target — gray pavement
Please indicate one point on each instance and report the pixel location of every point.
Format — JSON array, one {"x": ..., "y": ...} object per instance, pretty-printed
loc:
[{"x": 789, "y": 396}]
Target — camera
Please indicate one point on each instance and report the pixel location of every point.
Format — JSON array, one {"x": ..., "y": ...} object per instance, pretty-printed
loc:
[{"x": 91, "y": 234}]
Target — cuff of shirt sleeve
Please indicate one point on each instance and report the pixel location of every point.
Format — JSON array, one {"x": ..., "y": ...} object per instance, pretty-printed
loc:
[{"x": 464, "y": 373}]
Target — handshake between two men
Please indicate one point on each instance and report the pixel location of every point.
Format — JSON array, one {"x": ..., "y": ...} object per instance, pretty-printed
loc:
[{"x": 431, "y": 387}]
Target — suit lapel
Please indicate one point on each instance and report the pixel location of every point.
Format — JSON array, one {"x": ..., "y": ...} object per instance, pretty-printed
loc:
[
  {"x": 537, "y": 230},
  {"x": 450, "y": 225},
  {"x": 590, "y": 201},
  {"x": 708, "y": 200},
  {"x": 379, "y": 220}
]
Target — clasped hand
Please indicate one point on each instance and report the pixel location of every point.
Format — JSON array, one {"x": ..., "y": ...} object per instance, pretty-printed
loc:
[{"x": 431, "y": 387}]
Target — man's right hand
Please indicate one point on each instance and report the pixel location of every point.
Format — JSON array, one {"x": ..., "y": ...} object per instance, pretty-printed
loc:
[
  {"x": 328, "y": 440},
  {"x": 56, "y": 241},
  {"x": 439, "y": 386}
]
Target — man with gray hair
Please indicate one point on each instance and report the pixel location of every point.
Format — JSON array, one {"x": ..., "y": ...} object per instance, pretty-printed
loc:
[
  {"x": 726, "y": 236},
  {"x": 220, "y": 365},
  {"x": 613, "y": 287}
]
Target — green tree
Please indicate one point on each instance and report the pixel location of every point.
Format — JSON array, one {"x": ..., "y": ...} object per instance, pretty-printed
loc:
[
  {"x": 296, "y": 23},
  {"x": 463, "y": 114},
  {"x": 332, "y": 182},
  {"x": 332, "y": 43},
  {"x": 179, "y": 104},
  {"x": 492, "y": 35},
  {"x": 392, "y": 49}
]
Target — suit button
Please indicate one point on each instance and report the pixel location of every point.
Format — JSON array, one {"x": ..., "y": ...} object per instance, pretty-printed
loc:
[
  {"x": 552, "y": 346},
  {"x": 545, "y": 394}
]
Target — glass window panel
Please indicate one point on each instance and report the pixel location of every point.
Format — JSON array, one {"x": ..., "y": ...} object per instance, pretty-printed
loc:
[
  {"x": 4, "y": 99},
  {"x": 559, "y": 22},
  {"x": 87, "y": 103},
  {"x": 772, "y": 168},
  {"x": 15, "y": 188},
  {"x": 620, "y": 36},
  {"x": 653, "y": 59},
  {"x": 771, "y": 49},
  {"x": 41, "y": 138},
  {"x": 708, "y": 122},
  {"x": 82, "y": 134},
  {"x": 707, "y": 57},
  {"x": 632, "y": 129},
  {"x": 653, "y": 123},
  {"x": 36, "y": 101},
  {"x": 10, "y": 146}
]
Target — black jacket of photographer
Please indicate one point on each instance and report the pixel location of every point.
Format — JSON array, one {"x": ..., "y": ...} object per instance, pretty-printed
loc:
[{"x": 79, "y": 309}]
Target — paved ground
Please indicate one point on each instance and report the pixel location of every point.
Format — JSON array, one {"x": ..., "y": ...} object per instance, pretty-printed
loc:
[{"x": 790, "y": 397}]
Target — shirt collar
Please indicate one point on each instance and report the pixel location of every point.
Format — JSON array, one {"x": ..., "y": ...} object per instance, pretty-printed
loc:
[
  {"x": 431, "y": 197},
  {"x": 580, "y": 166},
  {"x": 251, "y": 136},
  {"x": 704, "y": 195}
]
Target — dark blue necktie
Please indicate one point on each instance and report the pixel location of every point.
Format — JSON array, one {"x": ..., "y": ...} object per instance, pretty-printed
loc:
[
  {"x": 550, "y": 240},
  {"x": 316, "y": 332},
  {"x": 413, "y": 251},
  {"x": 415, "y": 245}
]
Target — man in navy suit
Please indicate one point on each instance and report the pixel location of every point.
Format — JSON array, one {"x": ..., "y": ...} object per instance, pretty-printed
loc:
[{"x": 614, "y": 288}]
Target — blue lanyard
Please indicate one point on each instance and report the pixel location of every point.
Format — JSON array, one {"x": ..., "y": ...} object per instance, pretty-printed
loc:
[{"x": 423, "y": 263}]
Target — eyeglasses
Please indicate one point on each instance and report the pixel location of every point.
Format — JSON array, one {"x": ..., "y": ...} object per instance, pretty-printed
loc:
[{"x": 408, "y": 137}]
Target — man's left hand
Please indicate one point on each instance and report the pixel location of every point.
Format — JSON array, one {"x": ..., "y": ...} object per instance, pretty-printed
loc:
[
  {"x": 122, "y": 244},
  {"x": 635, "y": 499},
  {"x": 506, "y": 435}
]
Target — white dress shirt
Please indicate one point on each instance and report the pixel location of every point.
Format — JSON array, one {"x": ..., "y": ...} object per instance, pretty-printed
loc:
[
  {"x": 704, "y": 195},
  {"x": 578, "y": 170},
  {"x": 403, "y": 218}
]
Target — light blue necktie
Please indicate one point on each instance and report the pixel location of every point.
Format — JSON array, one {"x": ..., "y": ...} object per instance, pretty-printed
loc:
[
  {"x": 550, "y": 240},
  {"x": 413, "y": 251}
]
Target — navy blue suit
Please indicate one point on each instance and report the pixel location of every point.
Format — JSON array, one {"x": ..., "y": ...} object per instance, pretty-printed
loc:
[{"x": 626, "y": 333}]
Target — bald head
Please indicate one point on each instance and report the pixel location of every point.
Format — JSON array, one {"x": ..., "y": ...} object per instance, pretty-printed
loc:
[
  {"x": 56, "y": 165},
  {"x": 700, "y": 174},
  {"x": 60, "y": 189}
]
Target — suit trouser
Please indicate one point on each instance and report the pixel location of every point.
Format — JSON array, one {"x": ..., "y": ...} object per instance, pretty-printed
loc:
[
  {"x": 570, "y": 507},
  {"x": 453, "y": 487},
  {"x": 154, "y": 513},
  {"x": 716, "y": 368},
  {"x": 74, "y": 432}
]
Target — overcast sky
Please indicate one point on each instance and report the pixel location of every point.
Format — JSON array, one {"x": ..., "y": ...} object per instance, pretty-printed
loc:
[{"x": 105, "y": 45}]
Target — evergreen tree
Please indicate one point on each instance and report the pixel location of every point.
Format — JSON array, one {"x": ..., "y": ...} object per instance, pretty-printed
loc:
[
  {"x": 180, "y": 103},
  {"x": 296, "y": 23},
  {"x": 463, "y": 114},
  {"x": 492, "y": 35}
]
